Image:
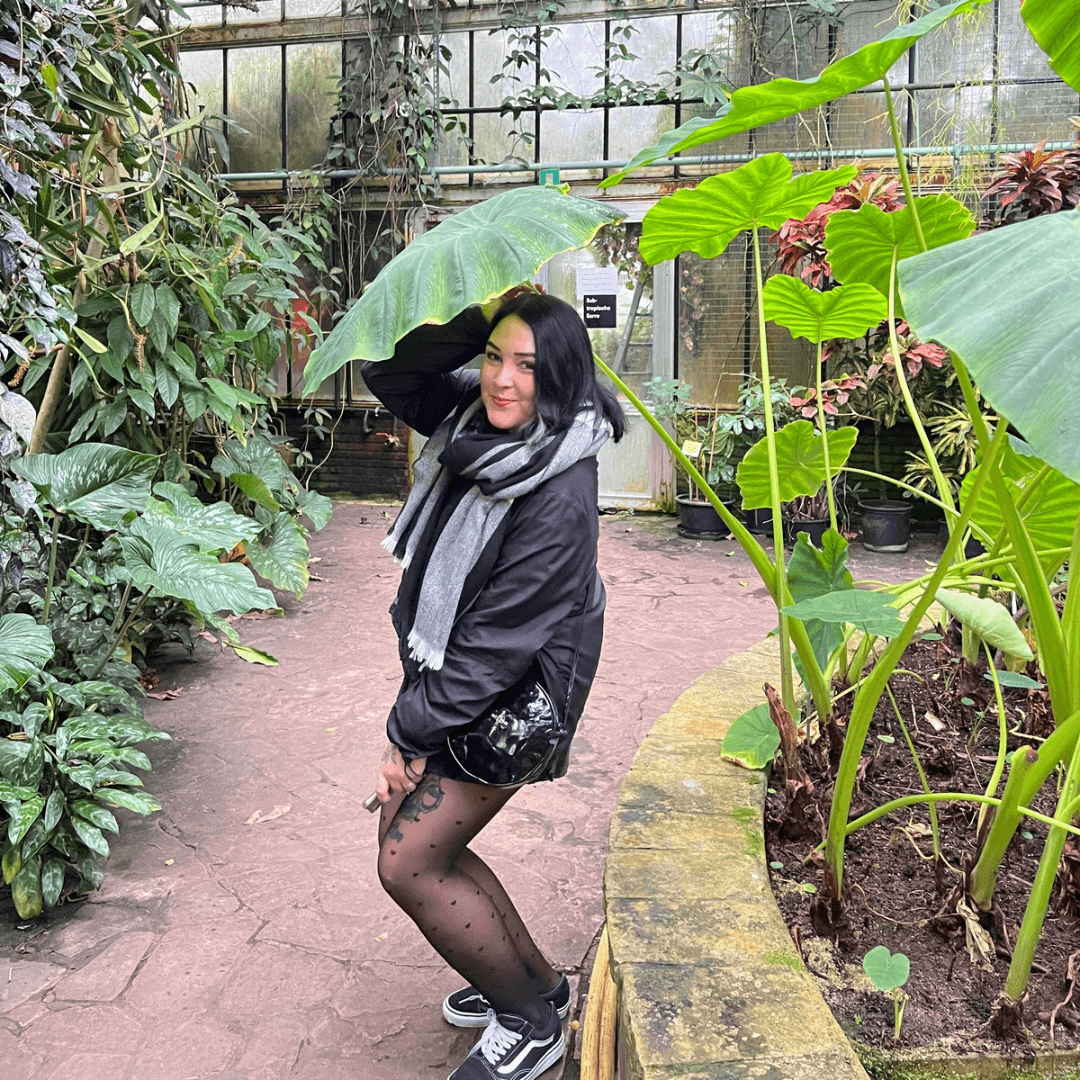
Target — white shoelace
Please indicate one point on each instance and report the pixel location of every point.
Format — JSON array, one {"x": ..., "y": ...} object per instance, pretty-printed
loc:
[{"x": 496, "y": 1041}]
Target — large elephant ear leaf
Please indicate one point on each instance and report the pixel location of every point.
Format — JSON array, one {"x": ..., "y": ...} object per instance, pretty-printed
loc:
[
  {"x": 862, "y": 244},
  {"x": 845, "y": 312},
  {"x": 25, "y": 648},
  {"x": 467, "y": 259},
  {"x": 755, "y": 106},
  {"x": 215, "y": 527},
  {"x": 94, "y": 482},
  {"x": 800, "y": 455},
  {"x": 281, "y": 555},
  {"x": 1019, "y": 342},
  {"x": 256, "y": 468},
  {"x": 1056, "y": 28},
  {"x": 759, "y": 194},
  {"x": 160, "y": 558}
]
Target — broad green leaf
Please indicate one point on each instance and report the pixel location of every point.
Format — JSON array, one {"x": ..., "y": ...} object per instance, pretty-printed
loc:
[
  {"x": 137, "y": 801},
  {"x": 752, "y": 740},
  {"x": 1016, "y": 337},
  {"x": 13, "y": 755},
  {"x": 1014, "y": 680},
  {"x": 814, "y": 573},
  {"x": 281, "y": 556},
  {"x": 169, "y": 306},
  {"x": 255, "y": 488},
  {"x": 315, "y": 507},
  {"x": 121, "y": 729},
  {"x": 845, "y": 312},
  {"x": 91, "y": 836},
  {"x": 1049, "y": 512},
  {"x": 90, "y": 341},
  {"x": 214, "y": 528},
  {"x": 160, "y": 558},
  {"x": 759, "y": 194},
  {"x": 1055, "y": 25},
  {"x": 54, "y": 808},
  {"x": 96, "y": 815},
  {"x": 801, "y": 459},
  {"x": 862, "y": 243},
  {"x": 22, "y": 815},
  {"x": 467, "y": 259},
  {"x": 94, "y": 482},
  {"x": 142, "y": 303},
  {"x": 987, "y": 619},
  {"x": 10, "y": 860},
  {"x": 52, "y": 880},
  {"x": 18, "y": 413},
  {"x": 26, "y": 890},
  {"x": 25, "y": 648},
  {"x": 255, "y": 656},
  {"x": 886, "y": 970},
  {"x": 867, "y": 611},
  {"x": 755, "y": 106},
  {"x": 259, "y": 458}
]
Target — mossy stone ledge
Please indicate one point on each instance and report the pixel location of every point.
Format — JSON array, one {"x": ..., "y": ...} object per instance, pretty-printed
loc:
[{"x": 710, "y": 985}]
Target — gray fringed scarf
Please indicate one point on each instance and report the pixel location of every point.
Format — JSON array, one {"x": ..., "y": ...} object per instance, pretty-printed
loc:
[{"x": 503, "y": 466}]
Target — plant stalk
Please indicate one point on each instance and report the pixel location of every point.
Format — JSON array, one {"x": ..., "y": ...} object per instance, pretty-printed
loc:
[
  {"x": 121, "y": 632},
  {"x": 901, "y": 165},
  {"x": 52, "y": 569},
  {"x": 825, "y": 445}
]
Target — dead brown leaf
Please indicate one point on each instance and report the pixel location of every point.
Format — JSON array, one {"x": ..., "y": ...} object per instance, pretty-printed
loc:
[{"x": 277, "y": 812}]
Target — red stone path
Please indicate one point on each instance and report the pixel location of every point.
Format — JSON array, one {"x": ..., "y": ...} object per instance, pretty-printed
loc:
[{"x": 220, "y": 949}]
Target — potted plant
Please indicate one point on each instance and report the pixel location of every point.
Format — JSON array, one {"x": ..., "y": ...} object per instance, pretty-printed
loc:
[{"x": 715, "y": 441}]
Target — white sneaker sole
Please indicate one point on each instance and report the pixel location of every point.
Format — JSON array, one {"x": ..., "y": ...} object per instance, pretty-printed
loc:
[{"x": 545, "y": 1063}]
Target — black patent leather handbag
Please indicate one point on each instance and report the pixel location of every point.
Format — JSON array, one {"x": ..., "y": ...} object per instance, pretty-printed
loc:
[{"x": 515, "y": 741}]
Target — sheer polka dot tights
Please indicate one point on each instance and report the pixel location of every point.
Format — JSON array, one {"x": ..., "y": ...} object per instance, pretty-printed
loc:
[{"x": 453, "y": 896}]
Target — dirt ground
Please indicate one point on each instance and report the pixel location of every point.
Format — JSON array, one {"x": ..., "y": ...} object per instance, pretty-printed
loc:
[{"x": 225, "y": 947}]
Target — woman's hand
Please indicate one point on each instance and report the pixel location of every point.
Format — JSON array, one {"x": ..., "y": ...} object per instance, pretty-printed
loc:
[
  {"x": 491, "y": 308},
  {"x": 396, "y": 774}
]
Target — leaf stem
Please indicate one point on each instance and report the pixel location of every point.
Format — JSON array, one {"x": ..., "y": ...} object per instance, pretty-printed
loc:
[
  {"x": 52, "y": 568},
  {"x": 121, "y": 632}
]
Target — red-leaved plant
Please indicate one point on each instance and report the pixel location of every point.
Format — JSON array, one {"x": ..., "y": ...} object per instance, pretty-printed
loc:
[
  {"x": 800, "y": 242},
  {"x": 1035, "y": 182}
]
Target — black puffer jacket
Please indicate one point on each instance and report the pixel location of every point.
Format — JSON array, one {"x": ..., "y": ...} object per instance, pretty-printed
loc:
[{"x": 534, "y": 591}]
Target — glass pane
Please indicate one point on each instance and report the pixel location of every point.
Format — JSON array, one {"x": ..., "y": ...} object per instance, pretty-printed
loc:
[
  {"x": 311, "y": 77},
  {"x": 453, "y": 150},
  {"x": 653, "y": 45},
  {"x": 572, "y": 135},
  {"x": 572, "y": 54},
  {"x": 490, "y": 51},
  {"x": 265, "y": 11},
  {"x": 454, "y": 79},
  {"x": 496, "y": 141},
  {"x": 1034, "y": 113},
  {"x": 255, "y": 104},
  {"x": 633, "y": 126},
  {"x": 203, "y": 71},
  {"x": 1020, "y": 56},
  {"x": 297, "y": 9},
  {"x": 204, "y": 15},
  {"x": 859, "y": 121}
]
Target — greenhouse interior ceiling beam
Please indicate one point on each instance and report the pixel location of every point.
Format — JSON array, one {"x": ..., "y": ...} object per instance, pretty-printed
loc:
[
  {"x": 293, "y": 31},
  {"x": 956, "y": 151}
]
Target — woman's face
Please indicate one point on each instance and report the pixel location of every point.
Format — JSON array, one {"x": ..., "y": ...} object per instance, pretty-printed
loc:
[{"x": 507, "y": 383}]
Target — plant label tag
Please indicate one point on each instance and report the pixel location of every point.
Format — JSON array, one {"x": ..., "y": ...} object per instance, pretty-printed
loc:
[
  {"x": 691, "y": 449},
  {"x": 597, "y": 279}
]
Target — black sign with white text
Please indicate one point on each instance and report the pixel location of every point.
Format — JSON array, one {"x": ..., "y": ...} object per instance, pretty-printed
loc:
[{"x": 599, "y": 310}]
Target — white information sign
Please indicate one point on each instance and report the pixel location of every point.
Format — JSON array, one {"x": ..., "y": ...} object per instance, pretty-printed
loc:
[{"x": 593, "y": 280}]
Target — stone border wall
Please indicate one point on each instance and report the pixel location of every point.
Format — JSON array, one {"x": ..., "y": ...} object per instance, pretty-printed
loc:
[{"x": 710, "y": 984}]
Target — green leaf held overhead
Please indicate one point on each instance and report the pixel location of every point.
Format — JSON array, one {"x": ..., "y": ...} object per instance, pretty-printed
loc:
[
  {"x": 755, "y": 106},
  {"x": 468, "y": 259},
  {"x": 801, "y": 460},
  {"x": 845, "y": 312},
  {"x": 759, "y": 194},
  {"x": 1018, "y": 342}
]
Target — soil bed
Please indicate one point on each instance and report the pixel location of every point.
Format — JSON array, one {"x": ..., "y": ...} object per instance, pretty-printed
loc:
[{"x": 893, "y": 896}]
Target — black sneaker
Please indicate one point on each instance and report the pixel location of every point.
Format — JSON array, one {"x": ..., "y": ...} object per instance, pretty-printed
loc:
[
  {"x": 468, "y": 1008},
  {"x": 513, "y": 1049}
]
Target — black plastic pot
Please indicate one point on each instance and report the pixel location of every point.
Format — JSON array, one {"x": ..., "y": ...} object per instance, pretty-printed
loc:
[
  {"x": 759, "y": 521},
  {"x": 886, "y": 524},
  {"x": 698, "y": 520},
  {"x": 816, "y": 529}
]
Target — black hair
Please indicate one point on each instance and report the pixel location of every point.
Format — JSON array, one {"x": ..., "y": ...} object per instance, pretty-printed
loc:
[{"x": 565, "y": 374}]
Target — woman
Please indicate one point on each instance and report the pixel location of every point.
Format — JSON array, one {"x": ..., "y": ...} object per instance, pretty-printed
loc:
[{"x": 498, "y": 544}]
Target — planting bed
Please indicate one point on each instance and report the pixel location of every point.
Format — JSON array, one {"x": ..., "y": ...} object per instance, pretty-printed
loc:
[{"x": 895, "y": 896}]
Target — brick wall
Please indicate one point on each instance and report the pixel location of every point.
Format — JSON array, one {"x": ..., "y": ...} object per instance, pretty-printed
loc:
[{"x": 368, "y": 451}]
